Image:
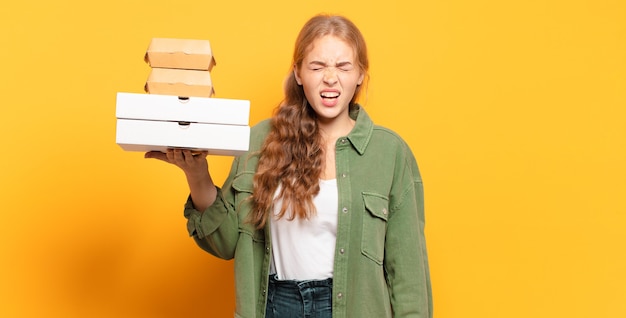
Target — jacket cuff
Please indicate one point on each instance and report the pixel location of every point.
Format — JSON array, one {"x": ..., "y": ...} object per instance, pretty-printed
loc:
[{"x": 194, "y": 217}]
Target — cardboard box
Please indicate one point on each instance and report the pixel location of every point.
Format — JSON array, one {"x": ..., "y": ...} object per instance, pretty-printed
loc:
[
  {"x": 188, "y": 83},
  {"x": 149, "y": 135},
  {"x": 147, "y": 122},
  {"x": 180, "y": 53},
  {"x": 173, "y": 108}
]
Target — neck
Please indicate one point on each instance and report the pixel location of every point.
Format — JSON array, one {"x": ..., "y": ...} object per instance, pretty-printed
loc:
[{"x": 336, "y": 128}]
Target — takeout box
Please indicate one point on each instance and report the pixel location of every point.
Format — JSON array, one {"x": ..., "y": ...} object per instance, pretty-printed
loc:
[
  {"x": 180, "y": 53},
  {"x": 149, "y": 122},
  {"x": 187, "y": 83}
]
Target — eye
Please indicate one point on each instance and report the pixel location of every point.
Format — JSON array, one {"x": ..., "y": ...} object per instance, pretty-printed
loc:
[
  {"x": 345, "y": 67},
  {"x": 316, "y": 66}
]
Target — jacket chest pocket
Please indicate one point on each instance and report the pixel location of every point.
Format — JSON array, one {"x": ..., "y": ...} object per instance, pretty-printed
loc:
[{"x": 374, "y": 226}]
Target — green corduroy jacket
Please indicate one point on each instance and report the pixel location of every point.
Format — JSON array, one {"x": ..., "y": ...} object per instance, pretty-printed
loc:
[{"x": 380, "y": 266}]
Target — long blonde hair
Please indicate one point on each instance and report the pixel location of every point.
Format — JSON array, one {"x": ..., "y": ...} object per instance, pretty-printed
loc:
[{"x": 292, "y": 155}]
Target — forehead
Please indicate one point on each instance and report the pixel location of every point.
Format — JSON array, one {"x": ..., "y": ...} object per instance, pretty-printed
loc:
[{"x": 330, "y": 48}]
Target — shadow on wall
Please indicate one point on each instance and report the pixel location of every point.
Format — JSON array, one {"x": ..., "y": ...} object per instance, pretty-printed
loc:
[{"x": 118, "y": 269}]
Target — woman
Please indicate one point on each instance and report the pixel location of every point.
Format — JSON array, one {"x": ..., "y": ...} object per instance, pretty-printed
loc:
[{"x": 324, "y": 216}]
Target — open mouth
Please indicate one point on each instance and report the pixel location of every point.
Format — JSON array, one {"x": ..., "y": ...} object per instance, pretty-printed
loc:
[{"x": 329, "y": 95}]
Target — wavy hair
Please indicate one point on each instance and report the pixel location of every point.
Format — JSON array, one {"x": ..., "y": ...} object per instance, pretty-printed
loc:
[{"x": 292, "y": 155}]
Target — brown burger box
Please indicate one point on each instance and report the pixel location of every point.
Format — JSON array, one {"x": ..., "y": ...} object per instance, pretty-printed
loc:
[
  {"x": 178, "y": 82},
  {"x": 187, "y": 54}
]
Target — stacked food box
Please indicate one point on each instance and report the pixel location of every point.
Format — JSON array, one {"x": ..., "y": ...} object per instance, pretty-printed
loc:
[{"x": 179, "y": 110}]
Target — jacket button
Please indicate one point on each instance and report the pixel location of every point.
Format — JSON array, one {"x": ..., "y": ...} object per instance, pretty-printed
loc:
[
  {"x": 344, "y": 210},
  {"x": 339, "y": 295},
  {"x": 341, "y": 251},
  {"x": 385, "y": 211},
  {"x": 343, "y": 175}
]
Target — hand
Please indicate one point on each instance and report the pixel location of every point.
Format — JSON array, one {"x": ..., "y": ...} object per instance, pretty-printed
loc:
[
  {"x": 194, "y": 164},
  {"x": 196, "y": 168}
]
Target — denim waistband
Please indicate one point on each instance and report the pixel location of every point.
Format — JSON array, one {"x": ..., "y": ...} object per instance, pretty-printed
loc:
[{"x": 299, "y": 284}]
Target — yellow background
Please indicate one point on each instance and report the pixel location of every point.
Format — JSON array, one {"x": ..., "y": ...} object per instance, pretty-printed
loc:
[{"x": 515, "y": 111}]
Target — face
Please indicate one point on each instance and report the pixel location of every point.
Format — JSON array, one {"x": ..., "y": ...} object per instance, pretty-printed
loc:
[{"x": 329, "y": 76}]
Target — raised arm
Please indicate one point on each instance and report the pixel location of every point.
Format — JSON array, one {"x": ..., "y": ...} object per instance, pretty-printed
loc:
[{"x": 196, "y": 169}]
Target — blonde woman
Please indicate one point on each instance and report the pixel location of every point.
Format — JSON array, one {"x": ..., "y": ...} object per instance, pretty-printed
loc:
[{"x": 324, "y": 216}]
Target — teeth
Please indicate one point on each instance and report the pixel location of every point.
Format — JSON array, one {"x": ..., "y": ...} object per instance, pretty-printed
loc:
[{"x": 330, "y": 94}]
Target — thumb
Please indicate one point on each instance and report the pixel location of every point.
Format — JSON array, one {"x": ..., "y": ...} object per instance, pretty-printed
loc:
[{"x": 156, "y": 155}]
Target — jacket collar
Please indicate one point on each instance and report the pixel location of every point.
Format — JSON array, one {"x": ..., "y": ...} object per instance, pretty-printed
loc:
[{"x": 362, "y": 132}]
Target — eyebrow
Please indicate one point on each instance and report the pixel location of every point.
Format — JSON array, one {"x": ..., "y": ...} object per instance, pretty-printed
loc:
[
  {"x": 340, "y": 64},
  {"x": 346, "y": 63}
]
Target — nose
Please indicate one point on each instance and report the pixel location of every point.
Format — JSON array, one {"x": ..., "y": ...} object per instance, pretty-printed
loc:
[{"x": 330, "y": 76}]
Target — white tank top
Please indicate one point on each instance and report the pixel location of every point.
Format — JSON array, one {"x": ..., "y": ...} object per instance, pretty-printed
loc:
[{"x": 305, "y": 249}]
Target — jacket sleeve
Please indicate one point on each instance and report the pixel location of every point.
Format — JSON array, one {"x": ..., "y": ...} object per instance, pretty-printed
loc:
[
  {"x": 406, "y": 260},
  {"x": 216, "y": 229}
]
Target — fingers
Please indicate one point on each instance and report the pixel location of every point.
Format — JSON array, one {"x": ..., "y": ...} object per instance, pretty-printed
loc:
[
  {"x": 185, "y": 159},
  {"x": 176, "y": 157},
  {"x": 155, "y": 155},
  {"x": 199, "y": 155}
]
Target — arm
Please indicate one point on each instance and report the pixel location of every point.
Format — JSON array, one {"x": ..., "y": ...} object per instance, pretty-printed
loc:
[
  {"x": 406, "y": 260},
  {"x": 211, "y": 220},
  {"x": 196, "y": 169}
]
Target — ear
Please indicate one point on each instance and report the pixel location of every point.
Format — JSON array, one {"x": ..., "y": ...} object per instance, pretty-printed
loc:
[
  {"x": 360, "y": 81},
  {"x": 296, "y": 76}
]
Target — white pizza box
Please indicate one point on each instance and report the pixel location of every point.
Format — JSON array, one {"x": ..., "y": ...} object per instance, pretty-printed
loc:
[
  {"x": 149, "y": 122},
  {"x": 173, "y": 108},
  {"x": 150, "y": 135},
  {"x": 189, "y": 54}
]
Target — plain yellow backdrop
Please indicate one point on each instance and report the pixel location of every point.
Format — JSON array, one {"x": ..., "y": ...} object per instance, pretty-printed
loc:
[{"x": 515, "y": 110}]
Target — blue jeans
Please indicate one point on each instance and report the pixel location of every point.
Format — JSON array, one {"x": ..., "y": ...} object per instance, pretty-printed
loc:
[{"x": 299, "y": 299}]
